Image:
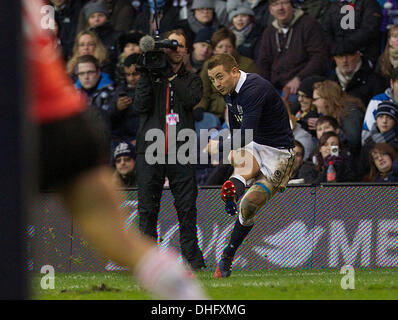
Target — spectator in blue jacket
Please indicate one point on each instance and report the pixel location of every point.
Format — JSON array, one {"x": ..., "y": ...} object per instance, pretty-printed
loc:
[
  {"x": 391, "y": 94},
  {"x": 98, "y": 88},
  {"x": 384, "y": 130}
]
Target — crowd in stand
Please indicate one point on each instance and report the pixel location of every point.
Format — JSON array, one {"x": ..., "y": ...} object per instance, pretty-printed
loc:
[{"x": 335, "y": 63}]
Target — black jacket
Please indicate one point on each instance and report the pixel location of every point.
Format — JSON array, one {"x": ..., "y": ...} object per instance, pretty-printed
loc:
[
  {"x": 168, "y": 22},
  {"x": 101, "y": 101},
  {"x": 67, "y": 18},
  {"x": 345, "y": 171},
  {"x": 351, "y": 124},
  {"x": 261, "y": 14},
  {"x": 365, "y": 84},
  {"x": 150, "y": 104},
  {"x": 304, "y": 121},
  {"x": 129, "y": 181},
  {"x": 315, "y": 8},
  {"x": 251, "y": 46},
  {"x": 124, "y": 124},
  {"x": 110, "y": 39},
  {"x": 123, "y": 15},
  {"x": 366, "y": 33}
]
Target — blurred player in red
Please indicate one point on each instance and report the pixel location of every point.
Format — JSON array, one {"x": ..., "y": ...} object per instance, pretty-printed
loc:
[{"x": 71, "y": 160}]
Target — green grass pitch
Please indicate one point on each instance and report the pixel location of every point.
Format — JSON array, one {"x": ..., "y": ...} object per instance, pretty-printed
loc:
[{"x": 246, "y": 285}]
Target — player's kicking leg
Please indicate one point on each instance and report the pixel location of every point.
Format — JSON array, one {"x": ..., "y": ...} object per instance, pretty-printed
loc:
[
  {"x": 254, "y": 199},
  {"x": 258, "y": 195},
  {"x": 245, "y": 168}
]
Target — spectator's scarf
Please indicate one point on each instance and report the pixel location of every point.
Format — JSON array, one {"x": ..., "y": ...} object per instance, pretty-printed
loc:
[
  {"x": 242, "y": 34},
  {"x": 345, "y": 79},
  {"x": 386, "y": 137},
  {"x": 195, "y": 25}
]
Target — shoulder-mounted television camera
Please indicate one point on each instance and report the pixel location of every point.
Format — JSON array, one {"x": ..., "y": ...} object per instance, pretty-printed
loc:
[{"x": 153, "y": 58}]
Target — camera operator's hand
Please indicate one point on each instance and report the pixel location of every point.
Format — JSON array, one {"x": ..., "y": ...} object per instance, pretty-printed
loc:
[{"x": 123, "y": 103}]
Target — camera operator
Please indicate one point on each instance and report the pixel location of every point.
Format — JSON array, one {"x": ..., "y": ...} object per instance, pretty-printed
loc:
[{"x": 165, "y": 101}]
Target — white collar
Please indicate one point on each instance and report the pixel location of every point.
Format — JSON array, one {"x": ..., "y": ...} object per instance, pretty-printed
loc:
[{"x": 242, "y": 79}]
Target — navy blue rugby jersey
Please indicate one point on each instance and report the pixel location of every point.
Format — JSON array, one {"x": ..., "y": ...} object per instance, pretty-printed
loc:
[{"x": 256, "y": 105}]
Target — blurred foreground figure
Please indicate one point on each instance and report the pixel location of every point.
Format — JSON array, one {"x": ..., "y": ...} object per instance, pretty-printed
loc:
[{"x": 71, "y": 160}]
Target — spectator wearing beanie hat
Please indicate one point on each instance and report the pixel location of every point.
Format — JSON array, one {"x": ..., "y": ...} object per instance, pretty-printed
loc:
[
  {"x": 97, "y": 16},
  {"x": 384, "y": 130},
  {"x": 247, "y": 32},
  {"x": 202, "y": 50},
  {"x": 307, "y": 114},
  {"x": 120, "y": 13},
  {"x": 124, "y": 160},
  {"x": 201, "y": 15},
  {"x": 388, "y": 108},
  {"x": 96, "y": 13},
  {"x": 390, "y": 94}
]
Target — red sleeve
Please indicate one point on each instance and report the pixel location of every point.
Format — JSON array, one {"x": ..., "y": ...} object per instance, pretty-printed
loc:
[{"x": 51, "y": 93}]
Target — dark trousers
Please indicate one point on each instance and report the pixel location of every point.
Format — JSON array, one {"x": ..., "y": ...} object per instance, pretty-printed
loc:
[{"x": 183, "y": 186}]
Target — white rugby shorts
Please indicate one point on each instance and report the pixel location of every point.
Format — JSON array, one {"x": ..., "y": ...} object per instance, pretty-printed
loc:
[{"x": 275, "y": 164}]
